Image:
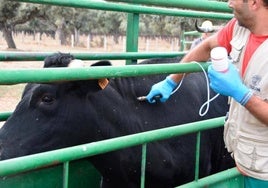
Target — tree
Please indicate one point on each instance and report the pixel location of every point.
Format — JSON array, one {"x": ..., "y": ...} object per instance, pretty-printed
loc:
[
  {"x": 7, "y": 12},
  {"x": 12, "y": 14},
  {"x": 109, "y": 23}
]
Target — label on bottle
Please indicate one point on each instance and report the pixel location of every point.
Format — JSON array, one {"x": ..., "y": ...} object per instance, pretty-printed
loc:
[{"x": 219, "y": 59}]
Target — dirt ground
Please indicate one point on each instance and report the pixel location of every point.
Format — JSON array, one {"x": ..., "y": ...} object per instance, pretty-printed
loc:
[{"x": 10, "y": 95}]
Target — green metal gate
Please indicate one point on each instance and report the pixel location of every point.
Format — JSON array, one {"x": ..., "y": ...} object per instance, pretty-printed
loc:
[{"x": 68, "y": 167}]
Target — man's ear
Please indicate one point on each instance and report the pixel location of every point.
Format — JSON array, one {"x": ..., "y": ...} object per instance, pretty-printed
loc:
[{"x": 255, "y": 4}]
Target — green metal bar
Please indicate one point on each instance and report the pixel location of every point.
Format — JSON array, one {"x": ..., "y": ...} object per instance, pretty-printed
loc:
[
  {"x": 130, "y": 8},
  {"x": 15, "y": 76},
  {"x": 40, "y": 56},
  {"x": 182, "y": 43},
  {"x": 187, "y": 33},
  {"x": 191, "y": 33},
  {"x": 213, "y": 179},
  {"x": 4, "y": 115},
  {"x": 22, "y": 164},
  {"x": 65, "y": 174},
  {"x": 143, "y": 165},
  {"x": 189, "y": 4},
  {"x": 188, "y": 42},
  {"x": 197, "y": 155},
  {"x": 132, "y": 35}
]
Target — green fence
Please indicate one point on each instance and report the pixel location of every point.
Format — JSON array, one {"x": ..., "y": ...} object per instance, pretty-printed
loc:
[
  {"x": 27, "y": 169},
  {"x": 67, "y": 167},
  {"x": 29, "y": 164}
]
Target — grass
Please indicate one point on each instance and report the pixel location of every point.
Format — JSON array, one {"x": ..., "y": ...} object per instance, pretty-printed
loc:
[{"x": 10, "y": 96}]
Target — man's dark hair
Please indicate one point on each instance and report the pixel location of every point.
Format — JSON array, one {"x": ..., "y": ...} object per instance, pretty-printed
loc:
[{"x": 265, "y": 3}]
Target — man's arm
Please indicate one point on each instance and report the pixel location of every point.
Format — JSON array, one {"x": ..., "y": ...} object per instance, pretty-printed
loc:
[
  {"x": 258, "y": 108},
  {"x": 230, "y": 84},
  {"x": 200, "y": 53},
  {"x": 164, "y": 89}
]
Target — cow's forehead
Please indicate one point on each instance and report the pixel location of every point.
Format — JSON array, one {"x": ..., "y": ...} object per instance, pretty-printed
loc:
[
  {"x": 63, "y": 88},
  {"x": 29, "y": 88},
  {"x": 34, "y": 89}
]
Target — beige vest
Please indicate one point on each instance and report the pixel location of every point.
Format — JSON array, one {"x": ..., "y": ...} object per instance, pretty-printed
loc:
[{"x": 245, "y": 136}]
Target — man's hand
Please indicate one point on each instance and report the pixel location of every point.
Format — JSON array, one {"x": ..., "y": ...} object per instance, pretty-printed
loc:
[
  {"x": 162, "y": 89},
  {"x": 229, "y": 83}
]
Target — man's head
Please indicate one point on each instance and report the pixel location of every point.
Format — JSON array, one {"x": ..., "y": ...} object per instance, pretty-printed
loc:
[{"x": 249, "y": 13}]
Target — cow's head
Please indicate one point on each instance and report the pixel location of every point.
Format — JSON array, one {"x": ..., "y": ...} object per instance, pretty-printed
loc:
[{"x": 46, "y": 114}]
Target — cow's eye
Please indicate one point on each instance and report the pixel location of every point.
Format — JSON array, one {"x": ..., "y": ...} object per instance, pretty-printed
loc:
[{"x": 47, "y": 99}]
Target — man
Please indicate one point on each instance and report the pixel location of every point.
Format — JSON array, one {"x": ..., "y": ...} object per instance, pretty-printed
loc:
[
  {"x": 207, "y": 30},
  {"x": 246, "y": 130}
]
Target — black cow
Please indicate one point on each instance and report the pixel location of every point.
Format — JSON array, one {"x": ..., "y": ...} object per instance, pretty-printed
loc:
[{"x": 58, "y": 115}]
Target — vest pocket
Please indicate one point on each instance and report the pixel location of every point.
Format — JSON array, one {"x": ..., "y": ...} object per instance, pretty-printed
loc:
[
  {"x": 262, "y": 159},
  {"x": 237, "y": 47},
  {"x": 245, "y": 155},
  {"x": 252, "y": 157}
]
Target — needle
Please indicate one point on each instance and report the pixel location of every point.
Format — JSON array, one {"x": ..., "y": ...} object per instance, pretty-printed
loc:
[{"x": 142, "y": 98}]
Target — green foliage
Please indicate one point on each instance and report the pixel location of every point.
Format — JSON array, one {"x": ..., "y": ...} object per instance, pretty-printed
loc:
[
  {"x": 8, "y": 10},
  {"x": 90, "y": 21}
]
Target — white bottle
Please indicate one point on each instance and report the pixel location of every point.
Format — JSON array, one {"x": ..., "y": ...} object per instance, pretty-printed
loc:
[{"x": 219, "y": 59}]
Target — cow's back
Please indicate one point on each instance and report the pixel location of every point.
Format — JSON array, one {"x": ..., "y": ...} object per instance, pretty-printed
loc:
[{"x": 174, "y": 157}]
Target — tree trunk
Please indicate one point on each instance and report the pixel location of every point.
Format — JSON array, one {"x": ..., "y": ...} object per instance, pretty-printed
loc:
[
  {"x": 7, "y": 33},
  {"x": 60, "y": 32},
  {"x": 116, "y": 38},
  {"x": 76, "y": 36}
]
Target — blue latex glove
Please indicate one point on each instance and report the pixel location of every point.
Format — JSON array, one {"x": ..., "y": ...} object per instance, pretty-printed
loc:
[
  {"x": 163, "y": 89},
  {"x": 229, "y": 83}
]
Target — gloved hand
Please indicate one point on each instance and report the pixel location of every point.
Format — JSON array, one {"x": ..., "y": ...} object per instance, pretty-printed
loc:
[
  {"x": 162, "y": 89},
  {"x": 229, "y": 83}
]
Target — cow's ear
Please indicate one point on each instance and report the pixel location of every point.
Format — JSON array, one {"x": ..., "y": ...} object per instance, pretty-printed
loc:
[
  {"x": 102, "y": 82},
  {"x": 86, "y": 87},
  {"x": 102, "y": 63}
]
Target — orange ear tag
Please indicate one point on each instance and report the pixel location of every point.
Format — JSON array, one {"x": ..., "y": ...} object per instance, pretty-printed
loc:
[{"x": 103, "y": 82}]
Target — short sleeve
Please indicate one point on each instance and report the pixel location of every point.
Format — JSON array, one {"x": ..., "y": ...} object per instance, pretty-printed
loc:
[{"x": 225, "y": 35}]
